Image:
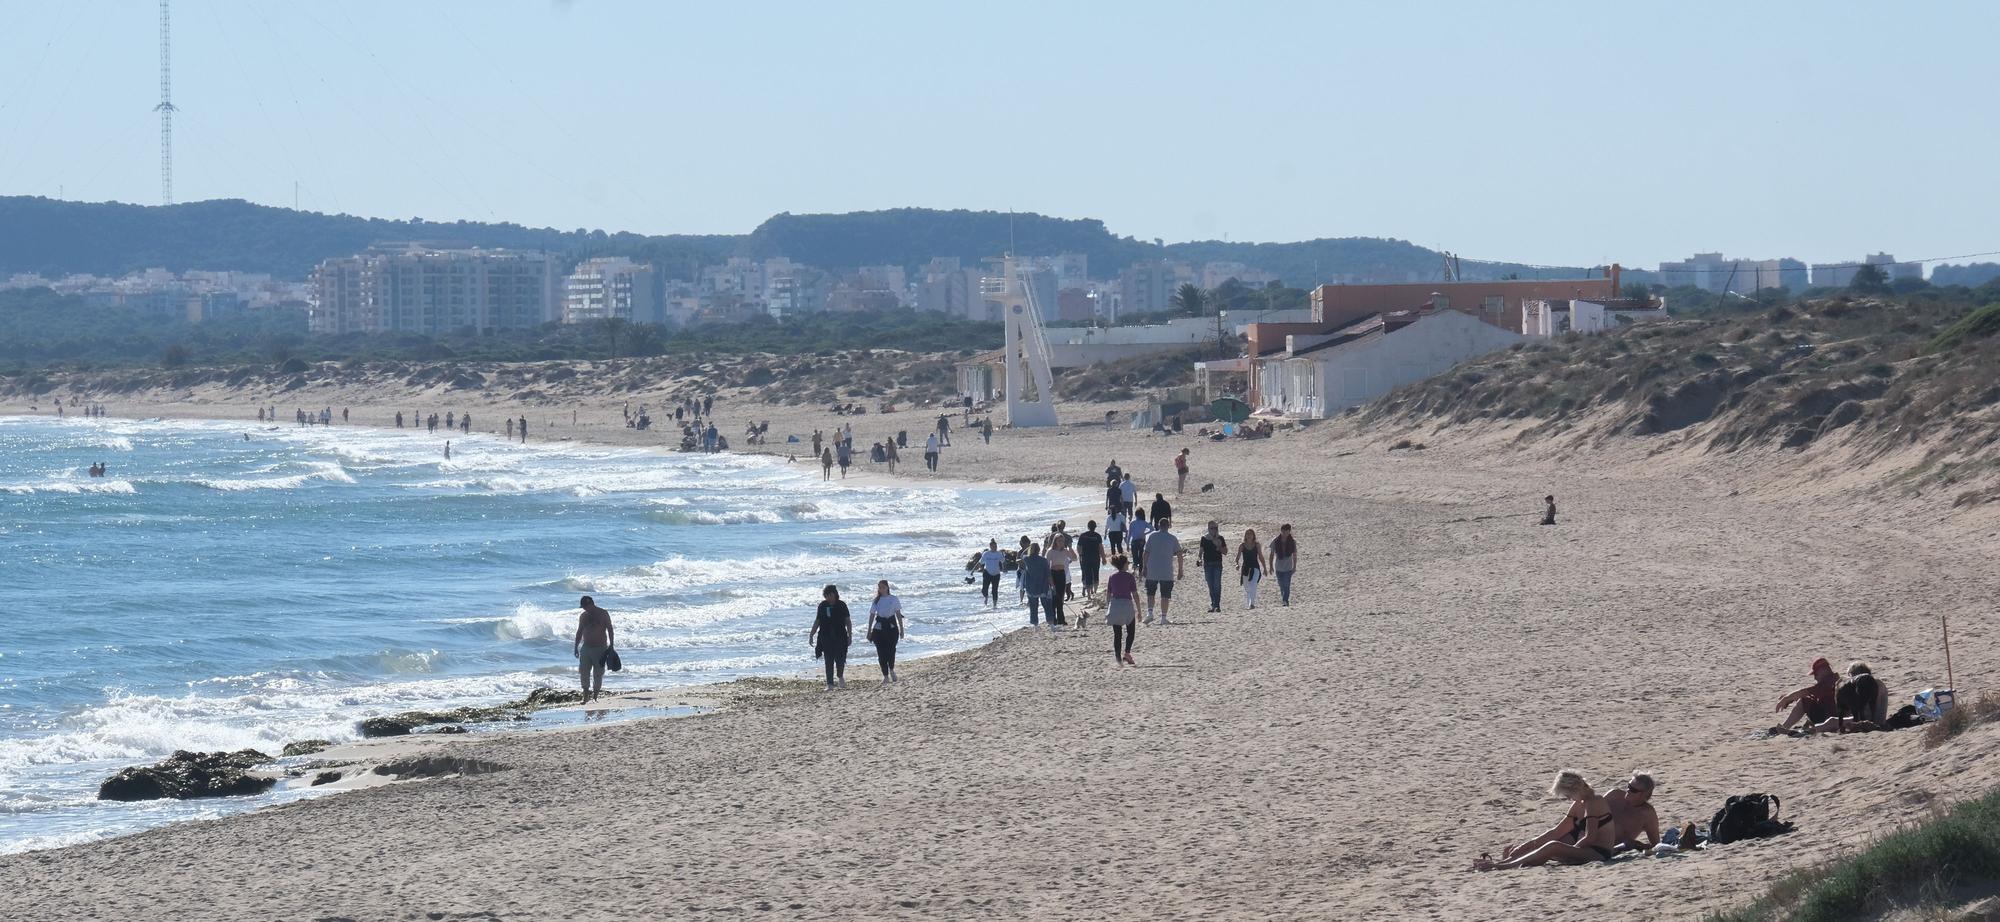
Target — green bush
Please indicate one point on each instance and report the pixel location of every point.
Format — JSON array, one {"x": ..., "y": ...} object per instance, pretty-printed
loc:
[{"x": 1959, "y": 848}]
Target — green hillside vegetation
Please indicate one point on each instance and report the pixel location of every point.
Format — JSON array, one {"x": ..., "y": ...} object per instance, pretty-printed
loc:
[
  {"x": 1884, "y": 373},
  {"x": 57, "y": 238}
]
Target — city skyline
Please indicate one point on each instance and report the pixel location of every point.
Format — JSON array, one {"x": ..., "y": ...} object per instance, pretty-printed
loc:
[{"x": 1546, "y": 138}]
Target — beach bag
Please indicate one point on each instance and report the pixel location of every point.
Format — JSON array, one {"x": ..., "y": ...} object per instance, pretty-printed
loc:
[
  {"x": 611, "y": 661},
  {"x": 1747, "y": 816}
]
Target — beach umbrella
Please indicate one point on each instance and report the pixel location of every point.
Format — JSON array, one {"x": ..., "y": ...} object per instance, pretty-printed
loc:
[{"x": 1229, "y": 409}]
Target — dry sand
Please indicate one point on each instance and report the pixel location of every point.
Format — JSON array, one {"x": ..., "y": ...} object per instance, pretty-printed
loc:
[{"x": 1343, "y": 758}]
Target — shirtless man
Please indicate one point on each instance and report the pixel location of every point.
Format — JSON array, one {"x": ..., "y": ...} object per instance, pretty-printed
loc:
[
  {"x": 594, "y": 636},
  {"x": 1632, "y": 814}
]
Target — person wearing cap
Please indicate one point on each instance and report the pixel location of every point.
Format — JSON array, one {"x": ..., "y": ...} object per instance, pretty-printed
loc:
[{"x": 1813, "y": 703}]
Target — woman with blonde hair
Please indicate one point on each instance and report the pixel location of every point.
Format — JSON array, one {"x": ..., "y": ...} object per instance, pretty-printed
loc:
[{"x": 1586, "y": 833}]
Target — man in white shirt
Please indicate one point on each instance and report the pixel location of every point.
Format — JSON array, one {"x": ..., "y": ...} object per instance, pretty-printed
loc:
[
  {"x": 991, "y": 561},
  {"x": 931, "y": 451},
  {"x": 1128, "y": 493},
  {"x": 1164, "y": 565}
]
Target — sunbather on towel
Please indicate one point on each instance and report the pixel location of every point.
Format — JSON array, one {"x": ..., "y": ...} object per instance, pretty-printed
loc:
[{"x": 1585, "y": 834}]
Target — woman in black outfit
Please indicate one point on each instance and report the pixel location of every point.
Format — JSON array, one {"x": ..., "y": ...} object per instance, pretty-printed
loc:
[{"x": 832, "y": 632}]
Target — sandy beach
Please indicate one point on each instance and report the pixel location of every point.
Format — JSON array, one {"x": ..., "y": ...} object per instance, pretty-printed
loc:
[{"x": 1343, "y": 758}]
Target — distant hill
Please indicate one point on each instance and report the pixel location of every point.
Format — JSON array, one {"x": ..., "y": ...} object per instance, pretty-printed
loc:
[
  {"x": 56, "y": 238},
  {"x": 909, "y": 237}
]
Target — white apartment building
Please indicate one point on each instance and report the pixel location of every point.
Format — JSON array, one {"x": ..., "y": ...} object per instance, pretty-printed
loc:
[
  {"x": 611, "y": 287},
  {"x": 1713, "y": 272},
  {"x": 1841, "y": 275},
  {"x": 1147, "y": 288},
  {"x": 420, "y": 289},
  {"x": 949, "y": 288}
]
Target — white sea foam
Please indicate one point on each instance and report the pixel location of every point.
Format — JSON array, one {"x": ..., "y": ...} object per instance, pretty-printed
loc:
[
  {"x": 327, "y": 471},
  {"x": 70, "y": 486},
  {"x": 679, "y": 574}
]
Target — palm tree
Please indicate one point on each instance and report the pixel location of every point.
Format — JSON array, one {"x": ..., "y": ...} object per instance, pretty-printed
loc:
[
  {"x": 1191, "y": 299},
  {"x": 612, "y": 327}
]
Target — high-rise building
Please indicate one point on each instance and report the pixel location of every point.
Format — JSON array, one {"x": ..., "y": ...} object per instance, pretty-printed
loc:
[
  {"x": 612, "y": 287},
  {"x": 949, "y": 288},
  {"x": 419, "y": 289},
  {"x": 1147, "y": 288},
  {"x": 1713, "y": 272},
  {"x": 1841, "y": 275}
]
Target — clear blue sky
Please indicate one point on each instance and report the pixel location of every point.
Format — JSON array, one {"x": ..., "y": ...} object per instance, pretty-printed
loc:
[{"x": 1537, "y": 132}]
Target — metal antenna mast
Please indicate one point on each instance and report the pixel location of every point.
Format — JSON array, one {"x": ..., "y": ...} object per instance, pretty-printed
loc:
[{"x": 166, "y": 109}]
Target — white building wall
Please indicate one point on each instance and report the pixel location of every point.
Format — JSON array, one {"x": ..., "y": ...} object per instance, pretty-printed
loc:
[{"x": 1351, "y": 375}]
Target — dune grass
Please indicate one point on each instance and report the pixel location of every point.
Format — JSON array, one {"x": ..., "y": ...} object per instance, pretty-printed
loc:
[{"x": 1957, "y": 849}]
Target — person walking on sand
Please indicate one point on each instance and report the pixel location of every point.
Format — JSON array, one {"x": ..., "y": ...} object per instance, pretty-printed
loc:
[
  {"x": 1034, "y": 571},
  {"x": 816, "y": 440},
  {"x": 889, "y": 452},
  {"x": 825, "y": 464},
  {"x": 986, "y": 430},
  {"x": 1114, "y": 529},
  {"x": 1284, "y": 562},
  {"x": 1251, "y": 566},
  {"x": 832, "y": 633},
  {"x": 885, "y": 628},
  {"x": 1020, "y": 585},
  {"x": 1165, "y": 564},
  {"x": 843, "y": 454},
  {"x": 1214, "y": 553},
  {"x": 1161, "y": 509},
  {"x": 1135, "y": 538},
  {"x": 1113, "y": 473},
  {"x": 524, "y": 428},
  {"x": 447, "y": 449},
  {"x": 1180, "y": 472},
  {"x": 991, "y": 562},
  {"x": 1549, "y": 513},
  {"x": 510, "y": 428},
  {"x": 594, "y": 638},
  {"x": 1128, "y": 494},
  {"x": 1122, "y": 591},
  {"x": 1060, "y": 557},
  {"x": 1089, "y": 555},
  {"x": 1114, "y": 499},
  {"x": 931, "y": 451}
]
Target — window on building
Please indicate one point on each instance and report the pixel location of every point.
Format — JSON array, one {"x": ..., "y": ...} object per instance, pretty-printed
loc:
[
  {"x": 1493, "y": 305},
  {"x": 1441, "y": 301}
]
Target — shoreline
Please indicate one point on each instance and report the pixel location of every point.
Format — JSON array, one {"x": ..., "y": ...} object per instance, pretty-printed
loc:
[
  {"x": 358, "y": 757},
  {"x": 1345, "y": 757}
]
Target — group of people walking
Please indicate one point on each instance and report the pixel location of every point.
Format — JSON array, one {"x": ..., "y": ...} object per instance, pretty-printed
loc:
[{"x": 1143, "y": 554}]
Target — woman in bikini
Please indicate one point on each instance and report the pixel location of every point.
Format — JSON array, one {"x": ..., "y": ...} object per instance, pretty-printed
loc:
[{"x": 1586, "y": 833}]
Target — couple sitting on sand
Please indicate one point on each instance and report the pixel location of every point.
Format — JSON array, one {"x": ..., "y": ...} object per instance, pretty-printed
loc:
[
  {"x": 1596, "y": 827},
  {"x": 1829, "y": 705}
]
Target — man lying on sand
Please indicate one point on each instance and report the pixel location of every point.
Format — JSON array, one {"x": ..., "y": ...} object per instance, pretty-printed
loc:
[{"x": 1587, "y": 832}]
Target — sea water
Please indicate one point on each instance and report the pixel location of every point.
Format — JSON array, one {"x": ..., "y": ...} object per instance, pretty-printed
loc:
[{"x": 213, "y": 592}]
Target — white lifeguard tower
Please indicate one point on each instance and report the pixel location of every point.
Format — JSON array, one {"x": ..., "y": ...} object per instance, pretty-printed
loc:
[{"x": 1026, "y": 352}]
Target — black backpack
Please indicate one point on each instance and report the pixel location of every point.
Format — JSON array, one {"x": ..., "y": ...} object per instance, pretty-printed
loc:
[{"x": 1747, "y": 816}]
